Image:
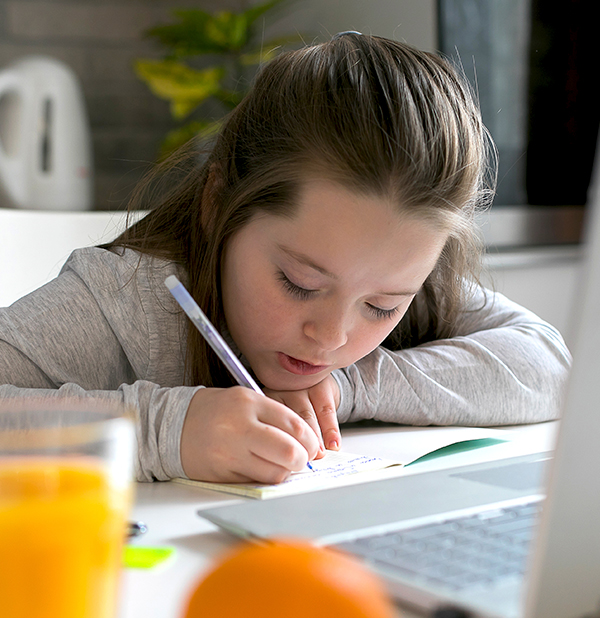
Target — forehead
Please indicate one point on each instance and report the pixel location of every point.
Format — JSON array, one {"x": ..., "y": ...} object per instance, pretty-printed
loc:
[
  {"x": 354, "y": 235},
  {"x": 327, "y": 199},
  {"x": 330, "y": 208}
]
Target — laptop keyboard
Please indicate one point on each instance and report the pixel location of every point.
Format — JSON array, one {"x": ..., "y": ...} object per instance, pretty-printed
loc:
[{"x": 470, "y": 551}]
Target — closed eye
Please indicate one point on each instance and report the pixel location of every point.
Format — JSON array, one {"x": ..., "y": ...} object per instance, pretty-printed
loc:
[
  {"x": 382, "y": 314},
  {"x": 293, "y": 289},
  {"x": 305, "y": 293}
]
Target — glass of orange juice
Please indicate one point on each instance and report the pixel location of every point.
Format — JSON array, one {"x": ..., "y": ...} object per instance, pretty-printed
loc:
[{"x": 65, "y": 491}]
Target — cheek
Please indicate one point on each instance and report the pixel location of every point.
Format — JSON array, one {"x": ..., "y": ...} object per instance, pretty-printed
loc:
[
  {"x": 365, "y": 341},
  {"x": 262, "y": 314},
  {"x": 370, "y": 336}
]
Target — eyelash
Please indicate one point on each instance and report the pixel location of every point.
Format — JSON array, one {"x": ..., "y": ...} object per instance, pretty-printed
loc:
[
  {"x": 292, "y": 288},
  {"x": 382, "y": 314},
  {"x": 304, "y": 294}
]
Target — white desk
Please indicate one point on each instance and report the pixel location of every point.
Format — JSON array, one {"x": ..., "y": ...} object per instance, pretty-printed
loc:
[{"x": 169, "y": 510}]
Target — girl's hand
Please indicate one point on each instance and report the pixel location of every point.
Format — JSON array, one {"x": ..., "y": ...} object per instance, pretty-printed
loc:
[
  {"x": 237, "y": 435},
  {"x": 317, "y": 406}
]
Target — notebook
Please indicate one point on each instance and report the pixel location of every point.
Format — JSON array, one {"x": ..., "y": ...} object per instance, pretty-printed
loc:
[
  {"x": 560, "y": 566},
  {"x": 337, "y": 469}
]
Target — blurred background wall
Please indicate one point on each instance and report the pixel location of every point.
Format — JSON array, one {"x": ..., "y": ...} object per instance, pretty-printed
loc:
[{"x": 100, "y": 39}]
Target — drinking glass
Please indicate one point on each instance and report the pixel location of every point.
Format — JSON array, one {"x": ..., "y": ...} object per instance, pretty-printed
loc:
[{"x": 65, "y": 491}]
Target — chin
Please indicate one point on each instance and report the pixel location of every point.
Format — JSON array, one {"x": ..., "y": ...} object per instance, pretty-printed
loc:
[{"x": 291, "y": 382}]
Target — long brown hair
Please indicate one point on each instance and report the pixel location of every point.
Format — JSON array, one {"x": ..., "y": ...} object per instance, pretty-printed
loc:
[{"x": 378, "y": 116}]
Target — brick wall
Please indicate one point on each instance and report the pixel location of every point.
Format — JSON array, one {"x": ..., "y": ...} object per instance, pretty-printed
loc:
[{"x": 99, "y": 39}]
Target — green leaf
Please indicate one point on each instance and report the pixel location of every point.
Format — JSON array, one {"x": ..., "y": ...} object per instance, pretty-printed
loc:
[
  {"x": 184, "y": 87},
  {"x": 197, "y": 32},
  {"x": 181, "y": 108},
  {"x": 228, "y": 30},
  {"x": 228, "y": 36},
  {"x": 187, "y": 36}
]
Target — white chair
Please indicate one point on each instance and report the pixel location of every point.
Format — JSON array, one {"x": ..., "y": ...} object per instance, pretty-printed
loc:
[{"x": 35, "y": 244}]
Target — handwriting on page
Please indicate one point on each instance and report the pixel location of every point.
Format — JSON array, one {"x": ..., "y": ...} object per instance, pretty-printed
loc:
[{"x": 335, "y": 465}]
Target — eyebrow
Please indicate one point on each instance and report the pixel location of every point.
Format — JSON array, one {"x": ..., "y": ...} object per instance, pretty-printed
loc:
[{"x": 304, "y": 259}]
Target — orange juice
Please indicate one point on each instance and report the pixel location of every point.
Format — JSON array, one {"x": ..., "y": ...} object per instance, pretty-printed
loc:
[{"x": 62, "y": 527}]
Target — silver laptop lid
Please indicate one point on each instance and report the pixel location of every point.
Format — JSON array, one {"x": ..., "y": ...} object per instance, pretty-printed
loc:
[{"x": 565, "y": 576}]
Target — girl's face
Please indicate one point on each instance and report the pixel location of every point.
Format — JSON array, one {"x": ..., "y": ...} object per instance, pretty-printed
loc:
[{"x": 307, "y": 294}]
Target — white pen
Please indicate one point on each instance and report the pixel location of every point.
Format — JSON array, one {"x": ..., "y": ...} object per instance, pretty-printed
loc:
[{"x": 212, "y": 335}]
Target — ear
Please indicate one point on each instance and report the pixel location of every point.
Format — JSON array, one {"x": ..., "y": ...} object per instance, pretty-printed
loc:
[{"x": 210, "y": 197}]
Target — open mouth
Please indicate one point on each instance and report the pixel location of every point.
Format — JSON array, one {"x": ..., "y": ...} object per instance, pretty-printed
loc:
[{"x": 297, "y": 366}]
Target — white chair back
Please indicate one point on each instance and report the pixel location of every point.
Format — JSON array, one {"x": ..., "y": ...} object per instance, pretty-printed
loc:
[{"x": 35, "y": 244}]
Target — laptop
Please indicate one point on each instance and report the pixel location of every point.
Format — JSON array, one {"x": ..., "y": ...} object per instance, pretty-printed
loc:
[{"x": 515, "y": 538}]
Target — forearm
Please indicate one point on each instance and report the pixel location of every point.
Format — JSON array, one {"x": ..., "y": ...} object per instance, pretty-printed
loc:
[
  {"x": 511, "y": 367},
  {"x": 462, "y": 383},
  {"x": 42, "y": 368},
  {"x": 95, "y": 332}
]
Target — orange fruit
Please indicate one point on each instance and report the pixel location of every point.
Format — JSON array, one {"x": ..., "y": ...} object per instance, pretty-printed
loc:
[{"x": 288, "y": 579}]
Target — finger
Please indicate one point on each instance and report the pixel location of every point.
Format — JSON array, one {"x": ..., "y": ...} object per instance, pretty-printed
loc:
[
  {"x": 286, "y": 419},
  {"x": 325, "y": 413},
  {"x": 328, "y": 421},
  {"x": 277, "y": 447},
  {"x": 259, "y": 470},
  {"x": 301, "y": 404},
  {"x": 309, "y": 416}
]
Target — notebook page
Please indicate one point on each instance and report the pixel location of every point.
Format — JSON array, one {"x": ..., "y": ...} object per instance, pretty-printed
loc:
[
  {"x": 343, "y": 468},
  {"x": 330, "y": 471}
]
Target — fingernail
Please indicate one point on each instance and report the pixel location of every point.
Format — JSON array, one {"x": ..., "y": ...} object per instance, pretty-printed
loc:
[{"x": 333, "y": 445}]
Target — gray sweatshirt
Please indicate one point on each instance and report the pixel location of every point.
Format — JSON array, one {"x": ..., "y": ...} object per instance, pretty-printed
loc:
[{"x": 107, "y": 328}]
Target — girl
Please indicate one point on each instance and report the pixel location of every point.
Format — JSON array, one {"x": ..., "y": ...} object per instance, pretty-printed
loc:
[{"x": 330, "y": 235}]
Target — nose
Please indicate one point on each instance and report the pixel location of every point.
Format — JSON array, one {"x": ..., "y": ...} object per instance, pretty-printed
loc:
[{"x": 327, "y": 329}]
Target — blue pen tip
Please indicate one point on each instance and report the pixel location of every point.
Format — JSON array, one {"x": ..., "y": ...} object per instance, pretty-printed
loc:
[{"x": 309, "y": 466}]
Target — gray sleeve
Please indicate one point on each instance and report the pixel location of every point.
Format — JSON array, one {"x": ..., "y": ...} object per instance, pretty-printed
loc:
[
  {"x": 158, "y": 430},
  {"x": 68, "y": 340},
  {"x": 504, "y": 366}
]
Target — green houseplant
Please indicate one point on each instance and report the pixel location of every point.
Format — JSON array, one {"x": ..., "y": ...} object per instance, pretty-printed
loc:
[{"x": 207, "y": 65}]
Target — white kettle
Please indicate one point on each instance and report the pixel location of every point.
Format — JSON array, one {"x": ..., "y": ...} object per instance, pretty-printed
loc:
[{"x": 45, "y": 146}]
